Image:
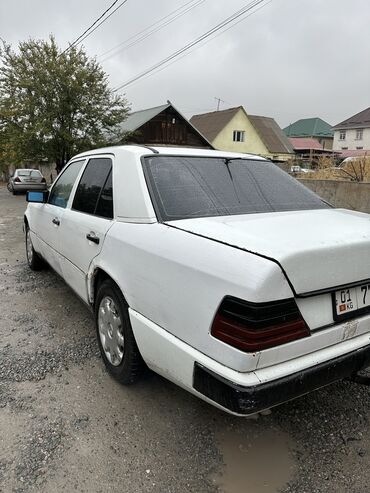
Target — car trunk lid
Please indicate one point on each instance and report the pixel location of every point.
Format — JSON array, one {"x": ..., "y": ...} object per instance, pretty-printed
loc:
[{"x": 318, "y": 249}]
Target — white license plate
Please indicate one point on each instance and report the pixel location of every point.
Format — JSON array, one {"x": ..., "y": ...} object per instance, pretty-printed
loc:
[{"x": 351, "y": 299}]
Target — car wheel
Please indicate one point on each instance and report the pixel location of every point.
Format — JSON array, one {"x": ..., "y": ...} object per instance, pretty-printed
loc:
[
  {"x": 115, "y": 337},
  {"x": 34, "y": 261}
]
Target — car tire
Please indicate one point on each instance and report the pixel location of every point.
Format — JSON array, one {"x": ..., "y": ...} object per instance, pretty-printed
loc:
[
  {"x": 34, "y": 260},
  {"x": 116, "y": 340}
]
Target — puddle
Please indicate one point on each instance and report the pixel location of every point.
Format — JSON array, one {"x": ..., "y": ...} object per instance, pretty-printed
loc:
[{"x": 254, "y": 461}]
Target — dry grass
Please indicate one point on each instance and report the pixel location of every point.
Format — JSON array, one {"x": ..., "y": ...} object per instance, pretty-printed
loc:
[{"x": 355, "y": 170}]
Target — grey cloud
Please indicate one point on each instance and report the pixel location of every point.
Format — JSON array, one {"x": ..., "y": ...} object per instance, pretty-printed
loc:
[{"x": 292, "y": 59}]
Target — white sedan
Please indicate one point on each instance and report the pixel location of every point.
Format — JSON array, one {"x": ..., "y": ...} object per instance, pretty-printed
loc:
[{"x": 217, "y": 270}]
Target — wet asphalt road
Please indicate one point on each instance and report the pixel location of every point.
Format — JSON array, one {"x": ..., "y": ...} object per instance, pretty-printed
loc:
[{"x": 65, "y": 425}]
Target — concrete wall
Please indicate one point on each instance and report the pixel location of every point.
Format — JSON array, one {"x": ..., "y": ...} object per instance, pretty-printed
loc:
[
  {"x": 326, "y": 142},
  {"x": 343, "y": 194}
]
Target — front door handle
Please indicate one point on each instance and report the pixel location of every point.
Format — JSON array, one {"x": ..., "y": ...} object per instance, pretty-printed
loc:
[
  {"x": 56, "y": 221},
  {"x": 92, "y": 237}
]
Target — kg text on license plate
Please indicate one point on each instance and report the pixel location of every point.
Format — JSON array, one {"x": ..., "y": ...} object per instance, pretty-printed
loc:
[{"x": 352, "y": 299}]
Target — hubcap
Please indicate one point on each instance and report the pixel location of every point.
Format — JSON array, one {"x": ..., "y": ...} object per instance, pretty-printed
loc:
[
  {"x": 110, "y": 331},
  {"x": 29, "y": 249}
]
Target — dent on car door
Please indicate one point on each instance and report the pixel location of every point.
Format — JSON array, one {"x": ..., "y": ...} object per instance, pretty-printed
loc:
[
  {"x": 86, "y": 222},
  {"x": 50, "y": 215}
]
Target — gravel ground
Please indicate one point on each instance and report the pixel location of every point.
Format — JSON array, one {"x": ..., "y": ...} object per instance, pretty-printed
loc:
[{"x": 65, "y": 425}]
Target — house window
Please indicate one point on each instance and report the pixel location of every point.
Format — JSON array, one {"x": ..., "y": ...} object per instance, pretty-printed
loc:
[
  {"x": 342, "y": 135},
  {"x": 359, "y": 133},
  {"x": 238, "y": 136},
  {"x": 344, "y": 148},
  {"x": 359, "y": 148}
]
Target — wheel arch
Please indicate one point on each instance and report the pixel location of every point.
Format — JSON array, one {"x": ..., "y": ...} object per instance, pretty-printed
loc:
[
  {"x": 97, "y": 275},
  {"x": 26, "y": 223}
]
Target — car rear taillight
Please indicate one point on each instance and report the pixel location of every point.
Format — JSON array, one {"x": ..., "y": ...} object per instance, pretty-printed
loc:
[
  {"x": 256, "y": 326},
  {"x": 43, "y": 180},
  {"x": 17, "y": 179}
]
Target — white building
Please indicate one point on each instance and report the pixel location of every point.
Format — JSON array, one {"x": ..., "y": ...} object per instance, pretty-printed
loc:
[{"x": 352, "y": 136}]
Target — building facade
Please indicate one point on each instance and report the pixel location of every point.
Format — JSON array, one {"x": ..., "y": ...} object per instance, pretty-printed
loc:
[
  {"x": 236, "y": 131},
  {"x": 162, "y": 125},
  {"x": 352, "y": 136},
  {"x": 314, "y": 128}
]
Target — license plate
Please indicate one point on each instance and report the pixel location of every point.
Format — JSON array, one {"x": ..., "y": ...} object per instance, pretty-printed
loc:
[{"x": 349, "y": 300}]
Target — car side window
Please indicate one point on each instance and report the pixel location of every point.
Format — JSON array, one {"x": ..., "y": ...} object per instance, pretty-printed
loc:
[
  {"x": 61, "y": 191},
  {"x": 91, "y": 187},
  {"x": 104, "y": 206}
]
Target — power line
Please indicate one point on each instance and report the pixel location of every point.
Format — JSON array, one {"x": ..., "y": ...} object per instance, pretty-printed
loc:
[
  {"x": 202, "y": 44},
  {"x": 158, "y": 25},
  {"x": 92, "y": 25},
  {"x": 102, "y": 22},
  {"x": 89, "y": 30},
  {"x": 193, "y": 43}
]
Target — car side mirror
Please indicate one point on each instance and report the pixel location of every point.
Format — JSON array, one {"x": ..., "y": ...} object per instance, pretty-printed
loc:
[{"x": 39, "y": 197}]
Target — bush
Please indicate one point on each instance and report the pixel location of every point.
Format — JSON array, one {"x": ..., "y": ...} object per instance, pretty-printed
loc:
[{"x": 356, "y": 169}]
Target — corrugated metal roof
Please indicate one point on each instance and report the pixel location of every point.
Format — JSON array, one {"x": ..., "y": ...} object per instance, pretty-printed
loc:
[
  {"x": 359, "y": 120},
  {"x": 309, "y": 127},
  {"x": 301, "y": 143},
  {"x": 271, "y": 134},
  {"x": 138, "y": 118},
  {"x": 354, "y": 152},
  {"x": 211, "y": 124}
]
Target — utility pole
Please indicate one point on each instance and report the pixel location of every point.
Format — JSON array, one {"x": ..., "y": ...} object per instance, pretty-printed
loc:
[{"x": 219, "y": 100}]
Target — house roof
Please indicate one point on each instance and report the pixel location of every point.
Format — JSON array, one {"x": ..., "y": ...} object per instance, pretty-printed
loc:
[
  {"x": 301, "y": 143},
  {"x": 361, "y": 119},
  {"x": 211, "y": 124},
  {"x": 138, "y": 118},
  {"x": 354, "y": 152},
  {"x": 271, "y": 134},
  {"x": 309, "y": 127}
]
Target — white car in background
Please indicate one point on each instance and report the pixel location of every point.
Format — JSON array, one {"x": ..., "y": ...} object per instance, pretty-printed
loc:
[{"x": 217, "y": 270}]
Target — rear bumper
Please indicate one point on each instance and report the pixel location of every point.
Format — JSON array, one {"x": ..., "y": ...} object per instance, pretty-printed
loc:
[
  {"x": 248, "y": 400},
  {"x": 23, "y": 187}
]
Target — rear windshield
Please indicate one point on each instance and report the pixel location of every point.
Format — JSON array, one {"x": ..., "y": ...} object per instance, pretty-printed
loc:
[
  {"x": 28, "y": 172},
  {"x": 190, "y": 187}
]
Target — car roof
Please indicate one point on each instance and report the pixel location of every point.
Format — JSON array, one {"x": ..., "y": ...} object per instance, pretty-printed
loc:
[
  {"x": 166, "y": 150},
  {"x": 27, "y": 169}
]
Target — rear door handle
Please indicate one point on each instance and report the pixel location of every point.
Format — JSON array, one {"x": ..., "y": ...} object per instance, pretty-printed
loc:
[
  {"x": 92, "y": 237},
  {"x": 56, "y": 221}
]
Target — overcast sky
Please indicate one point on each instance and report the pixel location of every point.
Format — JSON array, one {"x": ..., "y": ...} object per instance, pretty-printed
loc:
[{"x": 292, "y": 59}]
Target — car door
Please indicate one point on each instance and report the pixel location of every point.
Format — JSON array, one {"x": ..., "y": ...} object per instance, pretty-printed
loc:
[
  {"x": 47, "y": 218},
  {"x": 86, "y": 222}
]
